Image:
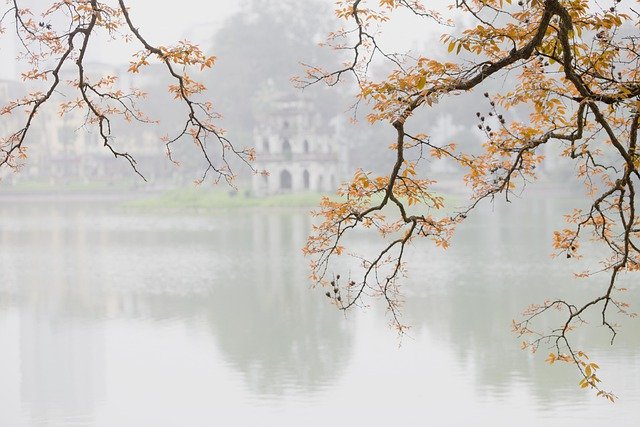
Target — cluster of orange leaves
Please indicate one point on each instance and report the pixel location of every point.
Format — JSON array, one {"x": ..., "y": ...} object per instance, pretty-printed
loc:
[{"x": 585, "y": 105}]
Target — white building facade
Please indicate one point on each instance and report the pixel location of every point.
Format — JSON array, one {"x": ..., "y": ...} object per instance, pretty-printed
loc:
[{"x": 297, "y": 151}]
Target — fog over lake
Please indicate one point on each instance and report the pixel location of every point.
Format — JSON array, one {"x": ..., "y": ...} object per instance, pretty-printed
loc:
[{"x": 113, "y": 316}]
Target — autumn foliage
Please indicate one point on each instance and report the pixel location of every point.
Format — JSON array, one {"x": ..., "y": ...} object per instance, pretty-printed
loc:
[
  {"x": 571, "y": 65},
  {"x": 56, "y": 39}
]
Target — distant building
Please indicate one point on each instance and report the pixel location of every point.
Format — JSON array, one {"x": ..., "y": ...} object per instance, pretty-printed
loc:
[
  {"x": 70, "y": 149},
  {"x": 300, "y": 152}
]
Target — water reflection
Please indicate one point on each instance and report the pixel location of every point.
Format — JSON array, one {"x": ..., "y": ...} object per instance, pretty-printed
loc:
[
  {"x": 107, "y": 306},
  {"x": 264, "y": 319},
  {"x": 497, "y": 265},
  {"x": 70, "y": 269},
  {"x": 61, "y": 333}
]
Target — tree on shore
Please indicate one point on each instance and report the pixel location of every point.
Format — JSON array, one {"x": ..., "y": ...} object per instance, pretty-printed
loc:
[{"x": 264, "y": 43}]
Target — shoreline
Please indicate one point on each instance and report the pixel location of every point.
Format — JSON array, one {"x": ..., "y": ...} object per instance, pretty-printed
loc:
[
  {"x": 69, "y": 195},
  {"x": 198, "y": 198}
]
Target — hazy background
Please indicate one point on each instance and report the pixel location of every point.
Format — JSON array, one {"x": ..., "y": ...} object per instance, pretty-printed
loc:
[
  {"x": 125, "y": 303},
  {"x": 260, "y": 45}
]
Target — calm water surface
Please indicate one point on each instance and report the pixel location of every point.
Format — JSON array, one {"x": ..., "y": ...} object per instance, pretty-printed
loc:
[{"x": 110, "y": 317}]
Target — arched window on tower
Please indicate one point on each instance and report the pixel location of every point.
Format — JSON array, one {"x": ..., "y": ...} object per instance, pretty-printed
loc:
[
  {"x": 285, "y": 180},
  {"x": 265, "y": 145},
  {"x": 286, "y": 147},
  {"x": 305, "y": 179},
  {"x": 305, "y": 146},
  {"x": 320, "y": 185}
]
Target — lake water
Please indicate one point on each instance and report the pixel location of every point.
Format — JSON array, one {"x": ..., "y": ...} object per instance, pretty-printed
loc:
[{"x": 112, "y": 317}]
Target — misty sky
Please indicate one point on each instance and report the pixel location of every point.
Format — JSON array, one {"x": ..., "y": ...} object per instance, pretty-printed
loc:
[{"x": 197, "y": 21}]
